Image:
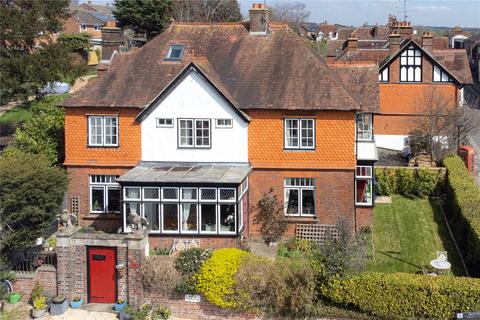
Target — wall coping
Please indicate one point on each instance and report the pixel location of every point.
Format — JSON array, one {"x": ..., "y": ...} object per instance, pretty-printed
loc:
[
  {"x": 133, "y": 241},
  {"x": 31, "y": 274}
]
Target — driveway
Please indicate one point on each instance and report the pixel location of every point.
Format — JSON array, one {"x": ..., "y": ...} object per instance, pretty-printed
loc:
[{"x": 78, "y": 314}]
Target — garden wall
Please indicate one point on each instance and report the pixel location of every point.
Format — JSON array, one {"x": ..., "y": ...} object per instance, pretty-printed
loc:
[
  {"x": 45, "y": 275},
  {"x": 194, "y": 310}
]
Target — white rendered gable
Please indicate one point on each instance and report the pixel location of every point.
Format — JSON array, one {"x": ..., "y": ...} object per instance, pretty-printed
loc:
[{"x": 194, "y": 98}]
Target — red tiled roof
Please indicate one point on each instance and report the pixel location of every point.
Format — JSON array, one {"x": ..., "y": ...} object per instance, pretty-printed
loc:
[{"x": 278, "y": 71}]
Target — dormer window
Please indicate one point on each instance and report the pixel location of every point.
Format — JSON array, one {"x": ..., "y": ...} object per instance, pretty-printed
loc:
[
  {"x": 175, "y": 52},
  {"x": 411, "y": 65}
]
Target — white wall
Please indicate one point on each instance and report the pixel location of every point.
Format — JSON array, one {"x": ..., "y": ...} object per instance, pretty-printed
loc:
[
  {"x": 390, "y": 141},
  {"x": 193, "y": 97}
]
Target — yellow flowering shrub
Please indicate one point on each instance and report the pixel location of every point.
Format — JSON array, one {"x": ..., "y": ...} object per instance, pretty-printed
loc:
[{"x": 215, "y": 280}]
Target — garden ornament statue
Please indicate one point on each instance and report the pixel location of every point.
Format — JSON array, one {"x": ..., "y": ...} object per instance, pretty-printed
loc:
[
  {"x": 65, "y": 220},
  {"x": 137, "y": 221}
]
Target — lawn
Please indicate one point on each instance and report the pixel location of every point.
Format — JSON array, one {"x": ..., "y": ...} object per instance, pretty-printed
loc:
[
  {"x": 12, "y": 118},
  {"x": 407, "y": 235}
]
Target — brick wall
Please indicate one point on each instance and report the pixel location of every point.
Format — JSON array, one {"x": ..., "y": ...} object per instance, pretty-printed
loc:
[
  {"x": 194, "y": 310},
  {"x": 205, "y": 242},
  {"x": 364, "y": 216},
  {"x": 46, "y": 276},
  {"x": 334, "y": 195},
  {"x": 79, "y": 186}
]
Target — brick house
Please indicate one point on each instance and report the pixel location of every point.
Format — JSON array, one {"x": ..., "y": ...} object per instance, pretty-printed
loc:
[
  {"x": 191, "y": 129},
  {"x": 412, "y": 69},
  {"x": 90, "y": 22}
]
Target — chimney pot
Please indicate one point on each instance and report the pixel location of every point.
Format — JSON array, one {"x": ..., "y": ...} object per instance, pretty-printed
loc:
[
  {"x": 259, "y": 18},
  {"x": 352, "y": 43},
  {"x": 427, "y": 41}
]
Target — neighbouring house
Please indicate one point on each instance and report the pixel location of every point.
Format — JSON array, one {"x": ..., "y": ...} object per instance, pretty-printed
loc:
[
  {"x": 411, "y": 68},
  {"x": 88, "y": 22},
  {"x": 472, "y": 45},
  {"x": 457, "y": 38},
  {"x": 105, "y": 9},
  {"x": 191, "y": 129},
  {"x": 308, "y": 30}
]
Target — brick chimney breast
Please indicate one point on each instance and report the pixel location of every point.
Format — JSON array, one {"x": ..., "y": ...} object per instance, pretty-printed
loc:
[
  {"x": 427, "y": 41},
  {"x": 259, "y": 19},
  {"x": 112, "y": 39},
  {"x": 394, "y": 43},
  {"x": 352, "y": 43}
]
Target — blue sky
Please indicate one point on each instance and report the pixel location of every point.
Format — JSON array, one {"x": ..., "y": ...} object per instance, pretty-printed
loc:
[
  {"x": 440, "y": 13},
  {"x": 447, "y": 13}
]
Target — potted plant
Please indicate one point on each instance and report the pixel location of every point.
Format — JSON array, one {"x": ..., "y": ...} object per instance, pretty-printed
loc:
[
  {"x": 119, "y": 305},
  {"x": 121, "y": 269},
  {"x": 39, "y": 307},
  {"x": 127, "y": 313},
  {"x": 76, "y": 303},
  {"x": 58, "y": 305}
]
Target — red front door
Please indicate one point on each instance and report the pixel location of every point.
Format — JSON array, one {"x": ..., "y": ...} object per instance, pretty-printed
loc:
[{"x": 102, "y": 282}]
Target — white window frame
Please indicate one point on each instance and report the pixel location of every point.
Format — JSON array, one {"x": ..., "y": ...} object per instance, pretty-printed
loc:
[
  {"x": 367, "y": 177},
  {"x": 442, "y": 75},
  {"x": 164, "y": 124},
  {"x": 167, "y": 200},
  {"x": 132, "y": 199},
  {"x": 300, "y": 137},
  {"x": 103, "y": 127},
  {"x": 159, "y": 215},
  {"x": 411, "y": 65},
  {"x": 194, "y": 133},
  {"x": 170, "y": 49},
  {"x": 200, "y": 217},
  {"x": 224, "y": 125},
  {"x": 106, "y": 183},
  {"x": 151, "y": 199},
  {"x": 181, "y": 218},
  {"x": 235, "y": 214},
  {"x": 362, "y": 133},
  {"x": 383, "y": 76},
  {"x": 207, "y": 200},
  {"x": 189, "y": 200},
  {"x": 178, "y": 218},
  {"x": 227, "y": 201},
  {"x": 302, "y": 185}
]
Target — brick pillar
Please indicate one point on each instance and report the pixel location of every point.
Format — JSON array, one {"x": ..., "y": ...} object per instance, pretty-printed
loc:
[
  {"x": 137, "y": 246},
  {"x": 112, "y": 39},
  {"x": 66, "y": 268}
]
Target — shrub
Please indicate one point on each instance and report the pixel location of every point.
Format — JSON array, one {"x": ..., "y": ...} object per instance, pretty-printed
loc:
[
  {"x": 37, "y": 291},
  {"x": 419, "y": 181},
  {"x": 464, "y": 203},
  {"x": 159, "y": 252},
  {"x": 159, "y": 274},
  {"x": 215, "y": 278},
  {"x": 401, "y": 295},
  {"x": 285, "y": 287},
  {"x": 270, "y": 217},
  {"x": 40, "y": 302},
  {"x": 188, "y": 264}
]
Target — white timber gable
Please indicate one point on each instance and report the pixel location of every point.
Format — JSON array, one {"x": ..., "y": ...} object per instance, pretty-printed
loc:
[{"x": 193, "y": 122}]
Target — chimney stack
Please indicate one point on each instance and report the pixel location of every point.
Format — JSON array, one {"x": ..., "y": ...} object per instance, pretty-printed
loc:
[
  {"x": 394, "y": 43},
  {"x": 427, "y": 41},
  {"x": 352, "y": 43},
  {"x": 112, "y": 39},
  {"x": 259, "y": 18}
]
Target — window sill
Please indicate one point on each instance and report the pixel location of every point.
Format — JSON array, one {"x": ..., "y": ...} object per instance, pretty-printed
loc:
[
  {"x": 364, "y": 205},
  {"x": 101, "y": 147},
  {"x": 102, "y": 216},
  {"x": 302, "y": 219}
]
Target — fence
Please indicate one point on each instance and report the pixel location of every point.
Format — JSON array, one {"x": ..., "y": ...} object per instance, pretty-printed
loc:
[
  {"x": 32, "y": 261},
  {"x": 316, "y": 232}
]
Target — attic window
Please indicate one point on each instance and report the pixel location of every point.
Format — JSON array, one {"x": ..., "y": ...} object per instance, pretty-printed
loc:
[{"x": 175, "y": 52}]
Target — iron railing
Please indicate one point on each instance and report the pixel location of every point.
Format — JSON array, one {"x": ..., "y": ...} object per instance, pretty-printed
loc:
[{"x": 33, "y": 260}]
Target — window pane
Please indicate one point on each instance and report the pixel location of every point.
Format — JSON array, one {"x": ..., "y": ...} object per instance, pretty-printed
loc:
[
  {"x": 110, "y": 130},
  {"x": 189, "y": 194},
  {"x": 96, "y": 132},
  {"x": 291, "y": 200},
  {"x": 170, "y": 193},
  {"x": 209, "y": 217},
  {"x": 307, "y": 133},
  {"x": 170, "y": 217},
  {"x": 227, "y": 194},
  {"x": 227, "y": 218},
  {"x": 418, "y": 74},
  {"x": 152, "y": 216},
  {"x": 308, "y": 202},
  {"x": 98, "y": 203},
  {"x": 202, "y": 133},
  {"x": 151, "y": 193},
  {"x": 113, "y": 199},
  {"x": 364, "y": 191},
  {"x": 403, "y": 74},
  {"x": 189, "y": 217},
  {"x": 186, "y": 133},
  {"x": 132, "y": 193},
  {"x": 291, "y": 133},
  {"x": 132, "y": 207},
  {"x": 208, "y": 194}
]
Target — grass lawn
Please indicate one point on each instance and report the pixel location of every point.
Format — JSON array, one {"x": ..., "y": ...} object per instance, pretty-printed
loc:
[
  {"x": 20, "y": 113},
  {"x": 407, "y": 235}
]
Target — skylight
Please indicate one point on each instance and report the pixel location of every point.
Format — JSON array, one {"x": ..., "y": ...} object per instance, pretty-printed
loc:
[{"x": 175, "y": 52}]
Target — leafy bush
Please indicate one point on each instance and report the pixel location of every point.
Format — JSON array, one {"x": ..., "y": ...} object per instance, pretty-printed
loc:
[
  {"x": 464, "y": 207},
  {"x": 148, "y": 312},
  {"x": 40, "y": 302},
  {"x": 401, "y": 295},
  {"x": 159, "y": 252},
  {"x": 270, "y": 217},
  {"x": 285, "y": 287},
  {"x": 159, "y": 274},
  {"x": 419, "y": 181},
  {"x": 37, "y": 291},
  {"x": 188, "y": 264},
  {"x": 215, "y": 278}
]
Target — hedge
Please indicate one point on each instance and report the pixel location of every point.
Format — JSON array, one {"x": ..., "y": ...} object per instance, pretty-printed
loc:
[
  {"x": 464, "y": 210},
  {"x": 405, "y": 296},
  {"x": 419, "y": 181}
]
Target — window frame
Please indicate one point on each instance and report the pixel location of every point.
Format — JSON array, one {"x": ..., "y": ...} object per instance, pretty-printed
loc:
[
  {"x": 407, "y": 66},
  {"x": 299, "y": 188},
  {"x": 223, "y": 126},
  {"x": 369, "y": 179},
  {"x": 165, "y": 125},
  {"x": 105, "y": 186},
  {"x": 360, "y": 136},
  {"x": 103, "y": 127},
  {"x": 300, "y": 135},
  {"x": 170, "y": 49},
  {"x": 441, "y": 73},
  {"x": 143, "y": 215},
  {"x": 162, "y": 218},
  {"x": 181, "y": 231},
  {"x": 235, "y": 214},
  {"x": 194, "y": 144},
  {"x": 215, "y": 205},
  {"x": 384, "y": 75}
]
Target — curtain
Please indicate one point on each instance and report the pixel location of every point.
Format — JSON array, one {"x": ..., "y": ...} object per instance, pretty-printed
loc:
[{"x": 185, "y": 215}]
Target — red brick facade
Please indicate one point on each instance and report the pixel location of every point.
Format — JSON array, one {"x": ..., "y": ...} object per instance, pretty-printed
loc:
[
  {"x": 156, "y": 241},
  {"x": 46, "y": 276}
]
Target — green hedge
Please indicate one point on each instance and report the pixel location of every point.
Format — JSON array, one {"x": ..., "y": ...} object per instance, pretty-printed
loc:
[
  {"x": 405, "y": 296},
  {"x": 419, "y": 181},
  {"x": 464, "y": 209}
]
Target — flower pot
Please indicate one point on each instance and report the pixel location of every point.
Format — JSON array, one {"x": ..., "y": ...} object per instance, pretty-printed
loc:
[
  {"x": 119, "y": 306},
  {"x": 122, "y": 272},
  {"x": 76, "y": 304},
  {"x": 124, "y": 316},
  {"x": 58, "y": 308},
  {"x": 38, "y": 313},
  {"x": 14, "y": 297}
]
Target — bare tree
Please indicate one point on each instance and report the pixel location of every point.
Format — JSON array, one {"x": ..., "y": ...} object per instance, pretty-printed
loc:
[
  {"x": 442, "y": 124},
  {"x": 206, "y": 10},
  {"x": 294, "y": 13}
]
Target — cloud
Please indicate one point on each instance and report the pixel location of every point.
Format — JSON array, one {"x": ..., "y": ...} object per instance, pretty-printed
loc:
[{"x": 430, "y": 8}]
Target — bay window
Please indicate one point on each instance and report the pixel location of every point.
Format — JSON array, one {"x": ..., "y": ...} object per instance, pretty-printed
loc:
[
  {"x": 300, "y": 196},
  {"x": 103, "y": 131},
  {"x": 299, "y": 133},
  {"x": 194, "y": 133},
  {"x": 363, "y": 185},
  {"x": 104, "y": 194}
]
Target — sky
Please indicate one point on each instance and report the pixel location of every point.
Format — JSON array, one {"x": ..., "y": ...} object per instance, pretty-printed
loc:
[{"x": 439, "y": 13}]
